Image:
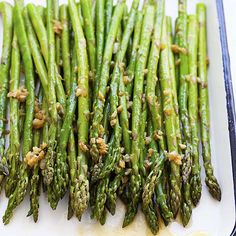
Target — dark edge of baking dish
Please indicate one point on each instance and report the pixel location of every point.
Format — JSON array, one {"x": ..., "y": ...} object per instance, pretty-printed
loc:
[{"x": 229, "y": 93}]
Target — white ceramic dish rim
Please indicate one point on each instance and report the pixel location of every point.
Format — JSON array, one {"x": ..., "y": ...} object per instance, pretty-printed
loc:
[{"x": 229, "y": 93}]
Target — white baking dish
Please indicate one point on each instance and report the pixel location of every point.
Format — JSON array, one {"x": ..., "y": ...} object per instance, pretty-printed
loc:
[{"x": 210, "y": 217}]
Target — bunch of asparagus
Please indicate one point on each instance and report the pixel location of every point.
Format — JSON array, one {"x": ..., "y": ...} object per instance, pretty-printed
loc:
[{"x": 108, "y": 108}]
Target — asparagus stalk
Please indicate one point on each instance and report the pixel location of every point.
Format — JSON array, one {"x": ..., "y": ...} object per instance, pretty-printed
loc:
[
  {"x": 147, "y": 207},
  {"x": 97, "y": 142},
  {"x": 161, "y": 193},
  {"x": 135, "y": 181},
  {"x": 18, "y": 195},
  {"x": 89, "y": 34},
  {"x": 195, "y": 181},
  {"x": 183, "y": 105},
  {"x": 35, "y": 178},
  {"x": 65, "y": 46},
  {"x": 124, "y": 116},
  {"x": 6, "y": 11},
  {"x": 108, "y": 15},
  {"x": 177, "y": 59},
  {"x": 93, "y": 14},
  {"x": 71, "y": 144},
  {"x": 57, "y": 29},
  {"x": 73, "y": 171},
  {"x": 152, "y": 99},
  {"x": 169, "y": 114},
  {"x": 61, "y": 178},
  {"x": 48, "y": 172},
  {"x": 133, "y": 57},
  {"x": 14, "y": 151},
  {"x": 83, "y": 103},
  {"x": 42, "y": 12},
  {"x": 210, "y": 180},
  {"x": 100, "y": 40}
]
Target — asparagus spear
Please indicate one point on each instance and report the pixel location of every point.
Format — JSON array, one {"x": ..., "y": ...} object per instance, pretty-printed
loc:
[
  {"x": 6, "y": 11},
  {"x": 168, "y": 110},
  {"x": 195, "y": 181},
  {"x": 177, "y": 59},
  {"x": 82, "y": 187},
  {"x": 57, "y": 29},
  {"x": 18, "y": 195},
  {"x": 183, "y": 105},
  {"x": 135, "y": 179},
  {"x": 161, "y": 194},
  {"x": 65, "y": 46},
  {"x": 147, "y": 207},
  {"x": 42, "y": 12},
  {"x": 89, "y": 34},
  {"x": 108, "y": 15},
  {"x": 48, "y": 172},
  {"x": 61, "y": 177},
  {"x": 135, "y": 46},
  {"x": 186, "y": 201},
  {"x": 210, "y": 180},
  {"x": 152, "y": 99},
  {"x": 100, "y": 41},
  {"x": 96, "y": 134},
  {"x": 124, "y": 116},
  {"x": 35, "y": 179},
  {"x": 14, "y": 151},
  {"x": 71, "y": 144},
  {"x": 73, "y": 170}
]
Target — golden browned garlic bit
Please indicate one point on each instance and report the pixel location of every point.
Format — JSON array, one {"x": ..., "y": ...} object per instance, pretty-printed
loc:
[
  {"x": 57, "y": 27},
  {"x": 175, "y": 157},
  {"x": 39, "y": 117},
  {"x": 102, "y": 146},
  {"x": 20, "y": 94},
  {"x": 176, "y": 49},
  {"x": 37, "y": 154},
  {"x": 81, "y": 92},
  {"x": 83, "y": 147}
]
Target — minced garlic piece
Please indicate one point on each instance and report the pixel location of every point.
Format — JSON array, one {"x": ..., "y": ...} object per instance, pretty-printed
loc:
[
  {"x": 37, "y": 154},
  {"x": 20, "y": 94},
  {"x": 175, "y": 157}
]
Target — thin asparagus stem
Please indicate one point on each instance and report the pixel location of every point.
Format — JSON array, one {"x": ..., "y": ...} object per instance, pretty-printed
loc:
[
  {"x": 169, "y": 114},
  {"x": 7, "y": 16},
  {"x": 100, "y": 41},
  {"x": 82, "y": 186},
  {"x": 65, "y": 46},
  {"x": 14, "y": 150},
  {"x": 210, "y": 180},
  {"x": 195, "y": 180},
  {"x": 48, "y": 172}
]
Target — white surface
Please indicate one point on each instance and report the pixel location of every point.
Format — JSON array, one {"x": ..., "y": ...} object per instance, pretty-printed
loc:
[{"x": 210, "y": 217}]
